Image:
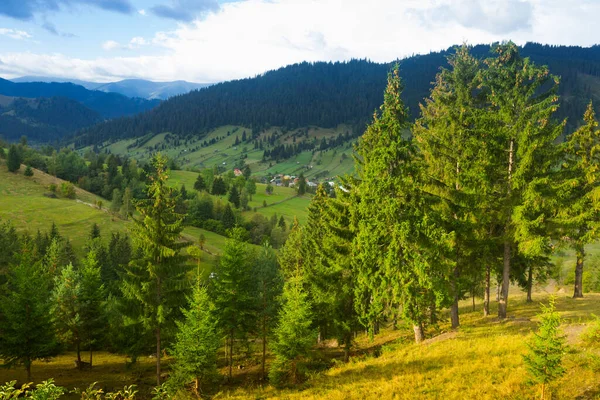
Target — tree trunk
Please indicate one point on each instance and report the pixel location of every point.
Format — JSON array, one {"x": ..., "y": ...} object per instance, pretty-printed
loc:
[
  {"x": 91, "y": 351},
  {"x": 529, "y": 283},
  {"x": 473, "y": 293},
  {"x": 433, "y": 315},
  {"x": 78, "y": 355},
  {"x": 454, "y": 307},
  {"x": 28, "y": 369},
  {"x": 419, "y": 335},
  {"x": 264, "y": 347},
  {"x": 294, "y": 373},
  {"x": 502, "y": 304},
  {"x": 347, "y": 345},
  {"x": 158, "y": 356},
  {"x": 486, "y": 295},
  {"x": 580, "y": 252},
  {"x": 197, "y": 387},
  {"x": 230, "y": 353},
  {"x": 503, "y": 300}
]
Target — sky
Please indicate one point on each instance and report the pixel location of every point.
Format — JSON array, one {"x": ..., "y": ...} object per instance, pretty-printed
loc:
[{"x": 209, "y": 41}]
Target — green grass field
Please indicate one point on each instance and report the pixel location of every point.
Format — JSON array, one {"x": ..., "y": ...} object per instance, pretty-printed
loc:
[{"x": 22, "y": 202}]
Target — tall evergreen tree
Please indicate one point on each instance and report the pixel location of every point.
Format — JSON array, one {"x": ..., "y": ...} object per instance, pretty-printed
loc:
[
  {"x": 451, "y": 138},
  {"x": 199, "y": 184},
  {"x": 233, "y": 292},
  {"x": 13, "y": 161},
  {"x": 218, "y": 187},
  {"x": 93, "y": 296},
  {"x": 155, "y": 282},
  {"x": 269, "y": 285},
  {"x": 301, "y": 184},
  {"x": 579, "y": 208},
  {"x": 524, "y": 100},
  {"x": 294, "y": 334},
  {"x": 391, "y": 260},
  {"x": 234, "y": 196},
  {"x": 196, "y": 343},
  {"x": 228, "y": 217},
  {"x": 27, "y": 332}
]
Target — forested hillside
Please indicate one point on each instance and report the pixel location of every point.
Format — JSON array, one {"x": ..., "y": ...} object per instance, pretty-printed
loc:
[
  {"x": 108, "y": 105},
  {"x": 43, "y": 119},
  {"x": 327, "y": 94}
]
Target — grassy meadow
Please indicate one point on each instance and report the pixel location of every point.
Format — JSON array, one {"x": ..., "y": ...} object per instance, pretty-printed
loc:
[
  {"x": 22, "y": 202},
  {"x": 480, "y": 360}
]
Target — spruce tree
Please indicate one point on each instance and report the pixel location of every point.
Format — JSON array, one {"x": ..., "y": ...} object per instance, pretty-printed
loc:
[
  {"x": 196, "y": 343},
  {"x": 218, "y": 187},
  {"x": 155, "y": 282},
  {"x": 579, "y": 208},
  {"x": 451, "y": 139},
  {"x": 301, "y": 184},
  {"x": 524, "y": 100},
  {"x": 546, "y": 349},
  {"x": 13, "y": 161},
  {"x": 92, "y": 297},
  {"x": 117, "y": 201},
  {"x": 67, "y": 306},
  {"x": 27, "y": 332},
  {"x": 391, "y": 258},
  {"x": 228, "y": 217},
  {"x": 127, "y": 208},
  {"x": 199, "y": 184},
  {"x": 294, "y": 334},
  {"x": 234, "y": 196},
  {"x": 233, "y": 292},
  {"x": 269, "y": 285}
]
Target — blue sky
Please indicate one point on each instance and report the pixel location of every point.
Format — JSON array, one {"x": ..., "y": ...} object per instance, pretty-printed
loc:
[{"x": 214, "y": 40}]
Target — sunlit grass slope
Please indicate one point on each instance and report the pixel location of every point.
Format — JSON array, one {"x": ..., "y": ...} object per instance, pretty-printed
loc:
[
  {"x": 22, "y": 202},
  {"x": 481, "y": 360}
]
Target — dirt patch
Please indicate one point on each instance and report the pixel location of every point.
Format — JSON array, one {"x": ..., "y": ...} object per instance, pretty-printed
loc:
[
  {"x": 442, "y": 337},
  {"x": 573, "y": 332}
]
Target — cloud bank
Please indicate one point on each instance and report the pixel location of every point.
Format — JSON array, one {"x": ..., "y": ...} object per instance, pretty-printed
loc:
[{"x": 247, "y": 38}]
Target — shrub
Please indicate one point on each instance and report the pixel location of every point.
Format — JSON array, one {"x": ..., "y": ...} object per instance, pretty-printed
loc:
[
  {"x": 52, "y": 187},
  {"x": 591, "y": 336},
  {"x": 68, "y": 190},
  {"x": 28, "y": 171}
]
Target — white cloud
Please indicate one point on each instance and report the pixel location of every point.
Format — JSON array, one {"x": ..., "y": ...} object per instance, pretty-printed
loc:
[
  {"x": 14, "y": 34},
  {"x": 249, "y": 37},
  {"x": 142, "y": 12}
]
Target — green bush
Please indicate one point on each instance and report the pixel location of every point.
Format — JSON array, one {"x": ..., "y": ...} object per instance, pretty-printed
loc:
[
  {"x": 591, "y": 336},
  {"x": 68, "y": 190},
  {"x": 28, "y": 171}
]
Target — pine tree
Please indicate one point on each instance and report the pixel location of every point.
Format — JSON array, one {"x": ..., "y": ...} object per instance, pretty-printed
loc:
[
  {"x": 546, "y": 349},
  {"x": 234, "y": 196},
  {"x": 301, "y": 184},
  {"x": 67, "y": 304},
  {"x": 127, "y": 207},
  {"x": 218, "y": 187},
  {"x": 117, "y": 201},
  {"x": 579, "y": 209},
  {"x": 155, "y": 283},
  {"x": 14, "y": 159},
  {"x": 196, "y": 343},
  {"x": 28, "y": 171},
  {"x": 250, "y": 187},
  {"x": 199, "y": 184},
  {"x": 27, "y": 332},
  {"x": 228, "y": 217},
  {"x": 326, "y": 248},
  {"x": 294, "y": 335},
  {"x": 93, "y": 296},
  {"x": 524, "y": 100},
  {"x": 391, "y": 261},
  {"x": 233, "y": 292},
  {"x": 269, "y": 286},
  {"x": 451, "y": 138},
  {"x": 94, "y": 232}
]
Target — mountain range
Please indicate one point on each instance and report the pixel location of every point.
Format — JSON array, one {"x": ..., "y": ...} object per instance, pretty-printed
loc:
[{"x": 128, "y": 87}]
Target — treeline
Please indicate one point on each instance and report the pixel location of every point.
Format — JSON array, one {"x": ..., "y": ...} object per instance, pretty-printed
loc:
[{"x": 329, "y": 94}]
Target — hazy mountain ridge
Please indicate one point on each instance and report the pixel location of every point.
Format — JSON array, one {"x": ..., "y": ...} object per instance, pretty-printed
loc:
[{"x": 141, "y": 88}]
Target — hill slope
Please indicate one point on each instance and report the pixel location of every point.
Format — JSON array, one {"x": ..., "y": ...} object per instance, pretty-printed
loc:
[
  {"x": 328, "y": 94},
  {"x": 43, "y": 119}
]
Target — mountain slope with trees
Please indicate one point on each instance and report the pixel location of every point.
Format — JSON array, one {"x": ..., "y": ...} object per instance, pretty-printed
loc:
[{"x": 328, "y": 94}]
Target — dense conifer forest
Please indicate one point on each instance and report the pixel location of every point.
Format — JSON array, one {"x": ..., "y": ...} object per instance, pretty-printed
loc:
[{"x": 328, "y": 94}]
